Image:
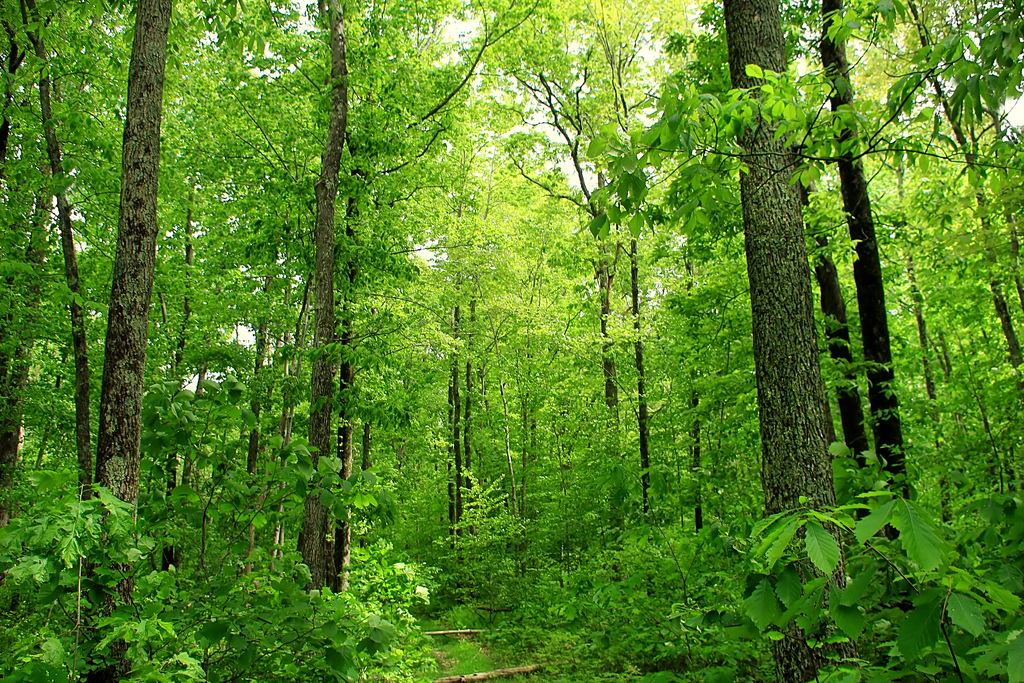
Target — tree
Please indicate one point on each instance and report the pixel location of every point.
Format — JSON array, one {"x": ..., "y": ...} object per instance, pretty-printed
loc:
[
  {"x": 120, "y": 425},
  {"x": 795, "y": 465},
  {"x": 314, "y": 522}
]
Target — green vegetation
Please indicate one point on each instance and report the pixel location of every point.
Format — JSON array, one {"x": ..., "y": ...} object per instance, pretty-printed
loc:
[{"x": 656, "y": 342}]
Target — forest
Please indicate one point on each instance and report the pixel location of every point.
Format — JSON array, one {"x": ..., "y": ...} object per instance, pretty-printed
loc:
[{"x": 544, "y": 340}]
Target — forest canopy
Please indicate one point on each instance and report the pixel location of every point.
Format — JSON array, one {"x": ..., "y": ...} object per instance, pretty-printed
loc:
[{"x": 559, "y": 339}]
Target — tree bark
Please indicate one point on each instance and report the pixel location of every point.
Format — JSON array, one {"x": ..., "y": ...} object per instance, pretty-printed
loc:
[
  {"x": 314, "y": 520},
  {"x": 867, "y": 269},
  {"x": 467, "y": 423},
  {"x": 456, "y": 425},
  {"x": 796, "y": 469},
  {"x": 15, "y": 56},
  {"x": 120, "y": 424}
]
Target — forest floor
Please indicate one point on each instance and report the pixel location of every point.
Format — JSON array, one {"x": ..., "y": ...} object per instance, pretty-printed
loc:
[{"x": 459, "y": 655}]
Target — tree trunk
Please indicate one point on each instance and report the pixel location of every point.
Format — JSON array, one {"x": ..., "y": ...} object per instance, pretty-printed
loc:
[
  {"x": 457, "y": 426},
  {"x": 120, "y": 424},
  {"x": 641, "y": 392},
  {"x": 467, "y": 442},
  {"x": 314, "y": 520},
  {"x": 867, "y": 269},
  {"x": 796, "y": 469},
  {"x": 83, "y": 435},
  {"x": 833, "y": 307},
  {"x": 695, "y": 466},
  {"x": 15, "y": 56}
]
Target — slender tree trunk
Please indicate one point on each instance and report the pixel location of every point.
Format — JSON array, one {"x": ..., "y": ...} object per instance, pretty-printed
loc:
[
  {"x": 83, "y": 435},
  {"x": 314, "y": 520},
  {"x": 186, "y": 308},
  {"x": 456, "y": 424},
  {"x": 695, "y": 466},
  {"x": 833, "y": 307},
  {"x": 796, "y": 469},
  {"x": 641, "y": 391},
  {"x": 120, "y": 424},
  {"x": 867, "y": 269},
  {"x": 467, "y": 427},
  {"x": 605, "y": 272},
  {"x": 15, "y": 56}
]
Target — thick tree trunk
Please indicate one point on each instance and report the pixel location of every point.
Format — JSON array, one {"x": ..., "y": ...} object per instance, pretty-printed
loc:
[
  {"x": 314, "y": 520},
  {"x": 796, "y": 469},
  {"x": 641, "y": 391},
  {"x": 83, "y": 434},
  {"x": 867, "y": 269},
  {"x": 117, "y": 455}
]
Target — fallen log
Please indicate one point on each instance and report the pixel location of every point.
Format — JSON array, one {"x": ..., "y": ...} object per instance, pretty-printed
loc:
[
  {"x": 456, "y": 632},
  {"x": 488, "y": 675}
]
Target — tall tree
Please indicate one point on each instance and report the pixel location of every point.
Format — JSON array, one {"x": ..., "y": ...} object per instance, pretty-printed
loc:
[
  {"x": 83, "y": 438},
  {"x": 117, "y": 455},
  {"x": 313, "y": 543},
  {"x": 795, "y": 464},
  {"x": 867, "y": 269}
]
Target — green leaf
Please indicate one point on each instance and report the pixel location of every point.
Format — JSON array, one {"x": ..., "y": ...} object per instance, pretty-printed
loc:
[
  {"x": 754, "y": 71},
  {"x": 921, "y": 542},
  {"x": 849, "y": 619},
  {"x": 1015, "y": 658},
  {"x": 636, "y": 225},
  {"x": 855, "y": 589},
  {"x": 869, "y": 526},
  {"x": 782, "y": 542},
  {"x": 596, "y": 147},
  {"x": 921, "y": 628},
  {"x": 788, "y": 586},
  {"x": 966, "y": 613},
  {"x": 599, "y": 225},
  {"x": 762, "y": 607},
  {"x": 822, "y": 548}
]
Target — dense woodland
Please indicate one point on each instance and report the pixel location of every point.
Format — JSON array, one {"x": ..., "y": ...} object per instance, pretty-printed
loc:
[{"x": 660, "y": 341}]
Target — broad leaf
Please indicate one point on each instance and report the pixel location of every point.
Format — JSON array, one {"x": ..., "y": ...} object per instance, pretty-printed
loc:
[
  {"x": 849, "y": 620},
  {"x": 782, "y": 542},
  {"x": 788, "y": 586},
  {"x": 1015, "y": 658},
  {"x": 921, "y": 542},
  {"x": 965, "y": 613},
  {"x": 869, "y": 526},
  {"x": 822, "y": 548},
  {"x": 762, "y": 606},
  {"x": 921, "y": 628}
]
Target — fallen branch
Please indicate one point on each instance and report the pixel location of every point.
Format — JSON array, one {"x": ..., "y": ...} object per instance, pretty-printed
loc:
[
  {"x": 487, "y": 675},
  {"x": 456, "y": 632}
]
